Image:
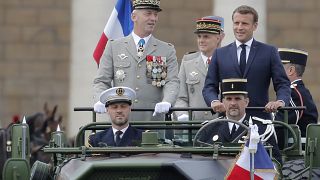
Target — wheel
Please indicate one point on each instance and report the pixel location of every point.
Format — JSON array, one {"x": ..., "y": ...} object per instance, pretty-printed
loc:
[{"x": 293, "y": 167}]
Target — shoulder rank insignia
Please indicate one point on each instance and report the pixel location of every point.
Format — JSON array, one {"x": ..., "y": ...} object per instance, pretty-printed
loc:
[{"x": 191, "y": 52}]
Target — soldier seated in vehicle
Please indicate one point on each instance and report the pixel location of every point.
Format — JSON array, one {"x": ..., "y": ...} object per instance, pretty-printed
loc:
[
  {"x": 235, "y": 100},
  {"x": 118, "y": 102}
]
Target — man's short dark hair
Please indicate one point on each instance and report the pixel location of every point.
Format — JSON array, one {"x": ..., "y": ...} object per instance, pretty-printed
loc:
[
  {"x": 299, "y": 69},
  {"x": 246, "y": 10}
]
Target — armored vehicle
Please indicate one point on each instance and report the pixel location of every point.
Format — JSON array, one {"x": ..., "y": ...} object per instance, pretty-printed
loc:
[{"x": 170, "y": 158}]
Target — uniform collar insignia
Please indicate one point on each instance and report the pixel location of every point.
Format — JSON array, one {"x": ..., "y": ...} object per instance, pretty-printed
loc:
[
  {"x": 245, "y": 122},
  {"x": 293, "y": 85}
]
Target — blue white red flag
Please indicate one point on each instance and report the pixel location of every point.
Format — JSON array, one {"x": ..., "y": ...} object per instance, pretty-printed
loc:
[
  {"x": 119, "y": 25},
  {"x": 263, "y": 166}
]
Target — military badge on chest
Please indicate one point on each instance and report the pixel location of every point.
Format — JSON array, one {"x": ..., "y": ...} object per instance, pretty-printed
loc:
[
  {"x": 156, "y": 70},
  {"x": 193, "y": 74},
  {"x": 120, "y": 74}
]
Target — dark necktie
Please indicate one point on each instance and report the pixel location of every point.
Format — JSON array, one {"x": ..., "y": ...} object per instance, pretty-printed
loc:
[
  {"x": 118, "y": 139},
  {"x": 140, "y": 47},
  {"x": 243, "y": 58},
  {"x": 208, "y": 62},
  {"x": 233, "y": 131}
]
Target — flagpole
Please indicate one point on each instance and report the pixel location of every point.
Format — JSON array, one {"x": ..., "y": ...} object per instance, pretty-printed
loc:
[
  {"x": 251, "y": 165},
  {"x": 253, "y": 141}
]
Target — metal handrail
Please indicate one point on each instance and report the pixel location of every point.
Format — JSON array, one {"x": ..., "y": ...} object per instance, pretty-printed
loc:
[
  {"x": 189, "y": 109},
  {"x": 193, "y": 108}
]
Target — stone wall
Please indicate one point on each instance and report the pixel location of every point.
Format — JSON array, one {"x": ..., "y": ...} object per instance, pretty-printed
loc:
[
  {"x": 177, "y": 23},
  {"x": 295, "y": 24},
  {"x": 34, "y": 56},
  {"x": 35, "y": 45}
]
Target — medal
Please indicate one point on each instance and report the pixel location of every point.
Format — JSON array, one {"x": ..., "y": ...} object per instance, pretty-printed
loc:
[
  {"x": 154, "y": 76},
  {"x": 139, "y": 54},
  {"x": 154, "y": 83},
  {"x": 164, "y": 60},
  {"x": 163, "y": 75},
  {"x": 149, "y": 58},
  {"x": 158, "y": 84},
  {"x": 120, "y": 75},
  {"x": 154, "y": 70},
  {"x": 163, "y": 82},
  {"x": 158, "y": 76}
]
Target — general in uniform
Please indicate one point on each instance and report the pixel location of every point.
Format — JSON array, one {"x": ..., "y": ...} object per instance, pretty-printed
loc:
[
  {"x": 193, "y": 69},
  {"x": 142, "y": 62}
]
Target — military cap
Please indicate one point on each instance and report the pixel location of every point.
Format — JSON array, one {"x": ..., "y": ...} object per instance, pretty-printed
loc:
[
  {"x": 147, "y": 4},
  {"x": 221, "y": 19},
  {"x": 208, "y": 24},
  {"x": 234, "y": 86},
  {"x": 293, "y": 56},
  {"x": 117, "y": 94}
]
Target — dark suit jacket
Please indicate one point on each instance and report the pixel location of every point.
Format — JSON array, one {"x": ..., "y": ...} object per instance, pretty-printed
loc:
[
  {"x": 300, "y": 96},
  {"x": 223, "y": 132},
  {"x": 263, "y": 64},
  {"x": 132, "y": 137}
]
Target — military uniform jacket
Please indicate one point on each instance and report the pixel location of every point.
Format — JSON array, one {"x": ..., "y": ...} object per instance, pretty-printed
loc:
[
  {"x": 222, "y": 131},
  {"x": 192, "y": 75},
  {"x": 300, "y": 96},
  {"x": 121, "y": 66},
  {"x": 132, "y": 137}
]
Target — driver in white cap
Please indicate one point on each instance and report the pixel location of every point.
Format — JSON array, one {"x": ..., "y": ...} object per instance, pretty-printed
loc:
[{"x": 118, "y": 102}]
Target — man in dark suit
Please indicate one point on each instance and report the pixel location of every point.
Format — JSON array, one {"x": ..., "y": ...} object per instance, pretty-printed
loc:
[
  {"x": 294, "y": 62},
  {"x": 118, "y": 102},
  {"x": 235, "y": 100},
  {"x": 250, "y": 59}
]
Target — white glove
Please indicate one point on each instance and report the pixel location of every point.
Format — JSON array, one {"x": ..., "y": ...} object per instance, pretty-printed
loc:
[
  {"x": 161, "y": 107},
  {"x": 99, "y": 107},
  {"x": 183, "y": 117}
]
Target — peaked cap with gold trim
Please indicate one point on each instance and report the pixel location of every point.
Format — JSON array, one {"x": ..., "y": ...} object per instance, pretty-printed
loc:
[
  {"x": 117, "y": 94},
  {"x": 234, "y": 86},
  {"x": 146, "y": 4},
  {"x": 209, "y": 24},
  {"x": 293, "y": 56}
]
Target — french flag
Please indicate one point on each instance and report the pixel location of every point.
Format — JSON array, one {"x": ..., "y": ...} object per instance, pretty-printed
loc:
[
  {"x": 118, "y": 25},
  {"x": 263, "y": 166}
]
